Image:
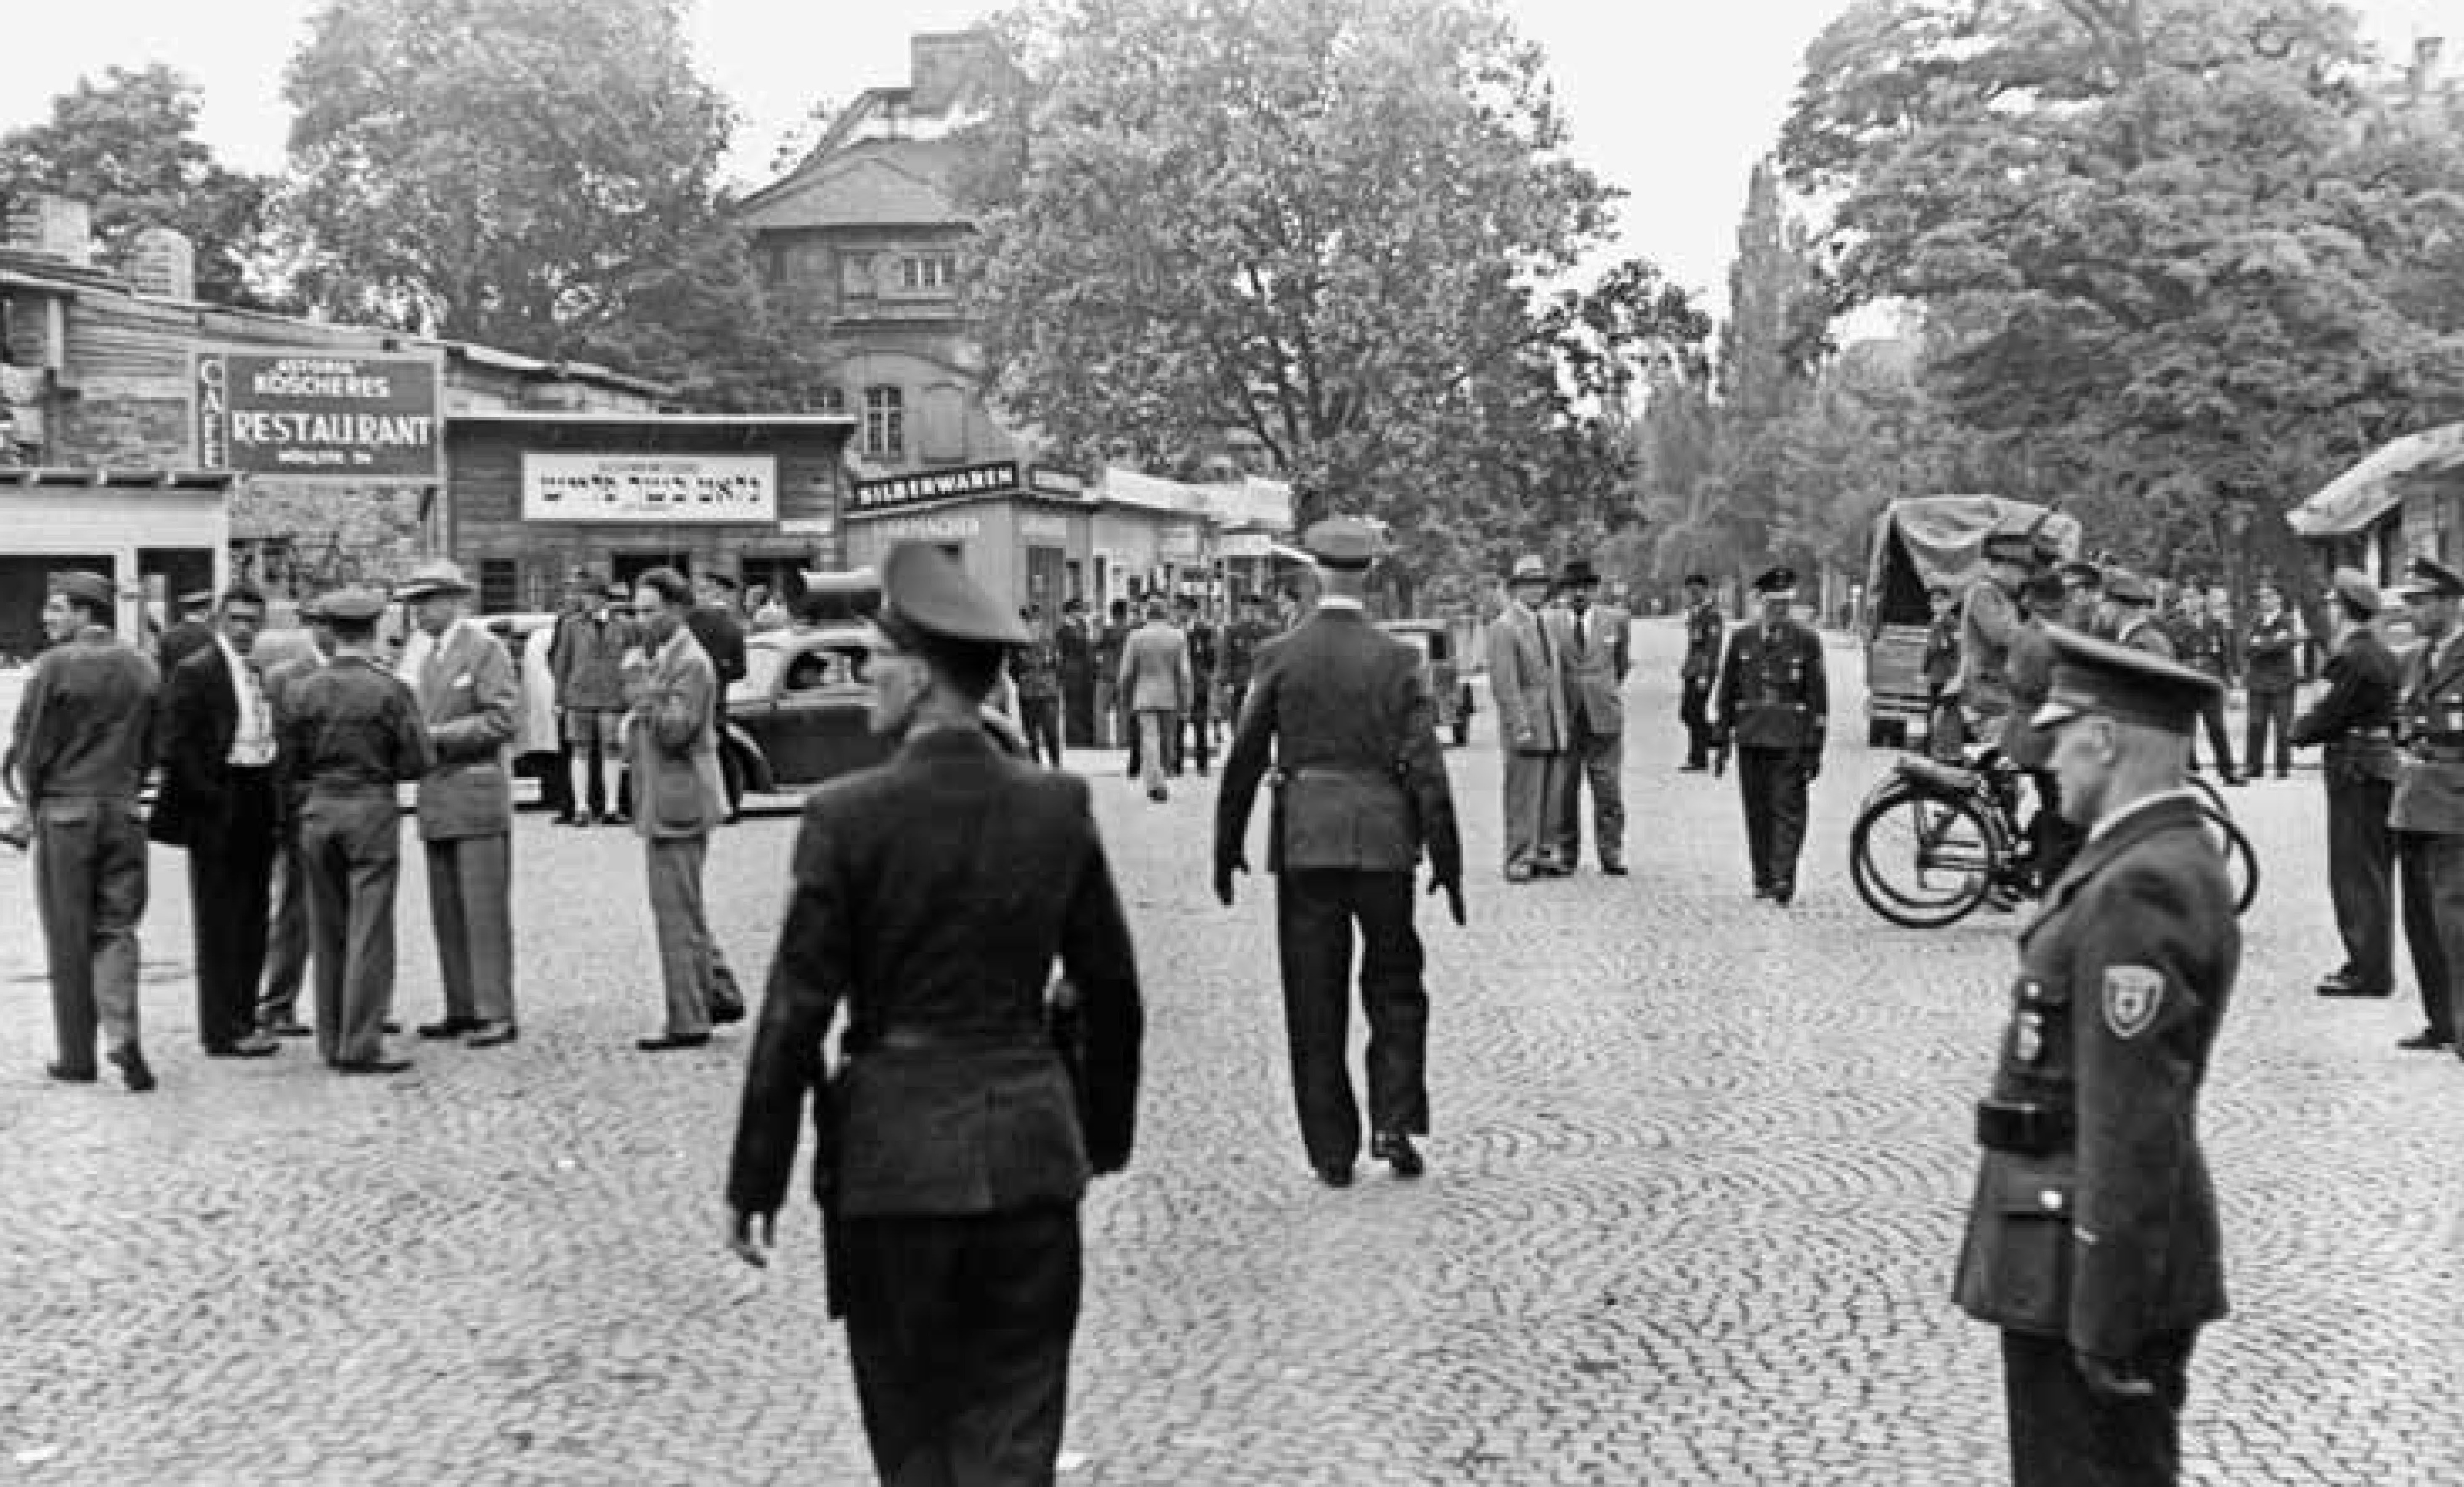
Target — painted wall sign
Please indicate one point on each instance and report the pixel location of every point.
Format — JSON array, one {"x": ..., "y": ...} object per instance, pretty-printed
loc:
[
  {"x": 649, "y": 488},
  {"x": 934, "y": 485},
  {"x": 345, "y": 417},
  {"x": 931, "y": 529}
]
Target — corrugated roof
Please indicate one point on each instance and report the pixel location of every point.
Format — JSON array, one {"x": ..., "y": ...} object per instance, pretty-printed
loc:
[{"x": 2360, "y": 496}]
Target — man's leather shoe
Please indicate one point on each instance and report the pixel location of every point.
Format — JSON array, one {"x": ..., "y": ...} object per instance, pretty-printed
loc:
[
  {"x": 2423, "y": 1042},
  {"x": 492, "y": 1035},
  {"x": 722, "y": 1013},
  {"x": 68, "y": 1074},
  {"x": 284, "y": 1030},
  {"x": 1518, "y": 872},
  {"x": 1693, "y": 769},
  {"x": 1395, "y": 1148},
  {"x": 130, "y": 1060},
  {"x": 1553, "y": 868},
  {"x": 376, "y": 1065},
  {"x": 1612, "y": 868},
  {"x": 667, "y": 1041},
  {"x": 255, "y": 1045},
  {"x": 449, "y": 1027},
  {"x": 2236, "y": 779},
  {"x": 1335, "y": 1175},
  {"x": 1762, "y": 890},
  {"x": 392, "y": 1028},
  {"x": 2341, "y": 985}
]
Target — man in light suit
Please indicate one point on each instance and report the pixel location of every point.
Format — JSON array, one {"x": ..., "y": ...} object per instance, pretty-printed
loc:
[
  {"x": 1155, "y": 683},
  {"x": 1591, "y": 642},
  {"x": 672, "y": 752},
  {"x": 464, "y": 682},
  {"x": 1528, "y": 691}
]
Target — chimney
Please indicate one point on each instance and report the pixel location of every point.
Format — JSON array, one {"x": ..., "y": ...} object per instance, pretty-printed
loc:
[
  {"x": 945, "y": 67},
  {"x": 56, "y": 224},
  {"x": 163, "y": 262}
]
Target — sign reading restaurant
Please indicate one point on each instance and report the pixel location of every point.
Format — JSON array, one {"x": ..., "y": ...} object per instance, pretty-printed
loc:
[
  {"x": 660, "y": 488},
  {"x": 349, "y": 417}
]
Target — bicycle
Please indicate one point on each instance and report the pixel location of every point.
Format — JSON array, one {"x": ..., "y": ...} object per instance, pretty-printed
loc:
[{"x": 1933, "y": 840}]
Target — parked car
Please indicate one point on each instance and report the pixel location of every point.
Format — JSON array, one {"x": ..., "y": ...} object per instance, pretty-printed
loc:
[{"x": 1434, "y": 640}]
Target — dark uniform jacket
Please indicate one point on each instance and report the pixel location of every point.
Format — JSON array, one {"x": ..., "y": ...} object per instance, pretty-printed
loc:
[
  {"x": 1242, "y": 641},
  {"x": 1355, "y": 739},
  {"x": 199, "y": 716},
  {"x": 2202, "y": 644},
  {"x": 350, "y": 728},
  {"x": 2094, "y": 1219},
  {"x": 1772, "y": 693},
  {"x": 1705, "y": 629},
  {"x": 2031, "y": 673},
  {"x": 1075, "y": 650},
  {"x": 2429, "y": 726},
  {"x": 85, "y": 722},
  {"x": 2356, "y": 720},
  {"x": 1987, "y": 618},
  {"x": 932, "y": 895},
  {"x": 2271, "y": 654}
]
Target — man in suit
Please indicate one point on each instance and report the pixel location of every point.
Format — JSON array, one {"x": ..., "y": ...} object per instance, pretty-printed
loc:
[
  {"x": 218, "y": 800},
  {"x": 2355, "y": 722},
  {"x": 351, "y": 734},
  {"x": 671, "y": 755},
  {"x": 1075, "y": 650},
  {"x": 1773, "y": 703},
  {"x": 587, "y": 658},
  {"x": 2093, "y": 1241},
  {"x": 2426, "y": 810},
  {"x": 2201, "y": 643},
  {"x": 466, "y": 693},
  {"x": 1704, "y": 630},
  {"x": 286, "y": 941},
  {"x": 192, "y": 631},
  {"x": 82, "y": 742},
  {"x": 933, "y": 895},
  {"x": 2128, "y": 612},
  {"x": 1343, "y": 713},
  {"x": 1204, "y": 657},
  {"x": 2271, "y": 661},
  {"x": 1155, "y": 686},
  {"x": 1111, "y": 638},
  {"x": 1528, "y": 691},
  {"x": 1591, "y": 642}
]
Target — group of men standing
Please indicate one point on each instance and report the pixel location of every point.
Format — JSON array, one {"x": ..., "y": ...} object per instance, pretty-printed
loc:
[
  {"x": 1170, "y": 674},
  {"x": 1557, "y": 662}
]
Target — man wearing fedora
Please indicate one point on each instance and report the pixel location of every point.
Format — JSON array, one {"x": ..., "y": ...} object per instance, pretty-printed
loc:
[
  {"x": 2355, "y": 724},
  {"x": 1705, "y": 633},
  {"x": 466, "y": 693},
  {"x": 1774, "y": 704},
  {"x": 1527, "y": 690},
  {"x": 1591, "y": 642},
  {"x": 2426, "y": 810}
]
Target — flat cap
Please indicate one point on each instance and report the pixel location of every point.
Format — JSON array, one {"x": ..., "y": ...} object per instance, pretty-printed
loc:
[
  {"x": 2428, "y": 576},
  {"x": 2126, "y": 587},
  {"x": 1341, "y": 543},
  {"x": 86, "y": 588},
  {"x": 1775, "y": 581},
  {"x": 926, "y": 597},
  {"x": 2354, "y": 588},
  {"x": 1579, "y": 571},
  {"x": 442, "y": 577},
  {"x": 1529, "y": 568},
  {"x": 2099, "y": 678},
  {"x": 351, "y": 606}
]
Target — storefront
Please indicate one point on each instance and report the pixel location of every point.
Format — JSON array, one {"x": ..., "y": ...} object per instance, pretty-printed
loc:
[
  {"x": 156, "y": 534},
  {"x": 532, "y": 497},
  {"x": 1024, "y": 533}
]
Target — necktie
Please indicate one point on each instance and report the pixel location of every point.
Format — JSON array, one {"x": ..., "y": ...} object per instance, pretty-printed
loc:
[
  {"x": 1578, "y": 636},
  {"x": 1548, "y": 654}
]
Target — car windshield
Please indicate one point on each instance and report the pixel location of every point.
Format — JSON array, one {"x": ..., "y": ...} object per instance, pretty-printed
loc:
[{"x": 777, "y": 670}]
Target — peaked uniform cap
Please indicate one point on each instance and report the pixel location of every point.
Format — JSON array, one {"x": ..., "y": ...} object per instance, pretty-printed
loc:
[
  {"x": 1341, "y": 543},
  {"x": 1775, "y": 581},
  {"x": 2123, "y": 586},
  {"x": 2428, "y": 575},
  {"x": 351, "y": 606},
  {"x": 442, "y": 577},
  {"x": 1697, "y": 578},
  {"x": 926, "y": 594},
  {"x": 89, "y": 589},
  {"x": 2102, "y": 678},
  {"x": 1577, "y": 571},
  {"x": 2354, "y": 588}
]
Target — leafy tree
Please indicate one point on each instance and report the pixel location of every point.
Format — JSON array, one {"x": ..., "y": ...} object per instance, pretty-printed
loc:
[{"x": 128, "y": 147}]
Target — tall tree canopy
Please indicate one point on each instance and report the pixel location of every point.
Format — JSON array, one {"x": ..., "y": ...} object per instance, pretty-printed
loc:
[
  {"x": 127, "y": 147},
  {"x": 1329, "y": 227}
]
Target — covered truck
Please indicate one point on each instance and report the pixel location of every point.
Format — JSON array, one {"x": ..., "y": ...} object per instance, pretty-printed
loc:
[{"x": 1919, "y": 542}]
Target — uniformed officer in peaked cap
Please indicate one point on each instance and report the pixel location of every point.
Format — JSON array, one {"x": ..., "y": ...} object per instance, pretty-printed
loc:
[
  {"x": 1341, "y": 711},
  {"x": 2355, "y": 724},
  {"x": 2427, "y": 811},
  {"x": 1704, "y": 630},
  {"x": 2093, "y": 1240},
  {"x": 1774, "y": 704},
  {"x": 932, "y": 895},
  {"x": 2128, "y": 613}
]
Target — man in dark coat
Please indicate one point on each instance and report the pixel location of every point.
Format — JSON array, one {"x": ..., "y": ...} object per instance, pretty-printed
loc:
[
  {"x": 1774, "y": 704},
  {"x": 2426, "y": 810},
  {"x": 1696, "y": 674},
  {"x": 2127, "y": 606},
  {"x": 2272, "y": 668},
  {"x": 2355, "y": 722},
  {"x": 1360, "y": 793},
  {"x": 1114, "y": 728},
  {"x": 193, "y": 632},
  {"x": 2093, "y": 1241},
  {"x": 932, "y": 895},
  {"x": 218, "y": 800},
  {"x": 2201, "y": 643},
  {"x": 1076, "y": 649}
]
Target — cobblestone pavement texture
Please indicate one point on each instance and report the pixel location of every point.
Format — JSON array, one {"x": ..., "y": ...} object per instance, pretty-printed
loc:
[{"x": 1695, "y": 1192}]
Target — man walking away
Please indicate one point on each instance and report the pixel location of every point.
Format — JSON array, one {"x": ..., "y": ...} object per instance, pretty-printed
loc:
[
  {"x": 932, "y": 897},
  {"x": 1154, "y": 685},
  {"x": 1203, "y": 658},
  {"x": 1111, "y": 722},
  {"x": 2271, "y": 670},
  {"x": 1773, "y": 703},
  {"x": 1528, "y": 691},
  {"x": 1592, "y": 641},
  {"x": 671, "y": 753},
  {"x": 2355, "y": 722},
  {"x": 83, "y": 740},
  {"x": 1705, "y": 632}
]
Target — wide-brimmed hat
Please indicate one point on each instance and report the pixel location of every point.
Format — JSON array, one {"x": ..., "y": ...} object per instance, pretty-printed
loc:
[
  {"x": 441, "y": 577},
  {"x": 927, "y": 598},
  {"x": 1777, "y": 582},
  {"x": 1529, "y": 568},
  {"x": 1579, "y": 571}
]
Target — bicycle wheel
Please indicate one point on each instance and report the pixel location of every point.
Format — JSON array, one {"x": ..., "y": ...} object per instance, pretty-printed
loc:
[
  {"x": 2210, "y": 797},
  {"x": 1920, "y": 859},
  {"x": 2241, "y": 859}
]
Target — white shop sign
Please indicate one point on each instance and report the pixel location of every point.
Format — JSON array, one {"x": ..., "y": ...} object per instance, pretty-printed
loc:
[
  {"x": 929, "y": 529},
  {"x": 660, "y": 488}
]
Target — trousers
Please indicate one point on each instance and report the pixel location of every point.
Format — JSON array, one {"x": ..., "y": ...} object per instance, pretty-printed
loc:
[
  {"x": 2270, "y": 709},
  {"x": 1694, "y": 711},
  {"x": 1039, "y": 719},
  {"x": 2211, "y": 717},
  {"x": 1150, "y": 750},
  {"x": 2063, "y": 1436},
  {"x": 470, "y": 906},
  {"x": 352, "y": 846},
  {"x": 2433, "y": 921},
  {"x": 686, "y": 968},
  {"x": 90, "y": 888},
  {"x": 286, "y": 936},
  {"x": 230, "y": 887},
  {"x": 1773, "y": 785},
  {"x": 2361, "y": 875},
  {"x": 1598, "y": 759},
  {"x": 958, "y": 1328},
  {"x": 1530, "y": 799},
  {"x": 1316, "y": 913}
]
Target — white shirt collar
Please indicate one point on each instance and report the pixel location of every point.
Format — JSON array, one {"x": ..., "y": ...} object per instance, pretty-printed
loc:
[
  {"x": 1338, "y": 601},
  {"x": 2139, "y": 807}
]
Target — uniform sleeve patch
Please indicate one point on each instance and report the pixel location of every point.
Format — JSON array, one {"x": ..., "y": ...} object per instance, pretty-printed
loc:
[{"x": 2133, "y": 996}]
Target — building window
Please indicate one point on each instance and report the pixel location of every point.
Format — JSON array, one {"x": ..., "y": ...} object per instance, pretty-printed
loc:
[
  {"x": 884, "y": 423},
  {"x": 929, "y": 272},
  {"x": 500, "y": 585}
]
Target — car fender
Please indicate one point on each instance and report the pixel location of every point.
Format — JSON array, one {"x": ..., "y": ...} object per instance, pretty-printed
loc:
[{"x": 750, "y": 761}]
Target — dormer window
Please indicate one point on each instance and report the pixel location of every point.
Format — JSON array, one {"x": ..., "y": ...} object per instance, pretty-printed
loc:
[{"x": 926, "y": 273}]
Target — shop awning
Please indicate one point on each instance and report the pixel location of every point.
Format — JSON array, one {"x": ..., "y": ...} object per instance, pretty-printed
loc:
[{"x": 2360, "y": 496}]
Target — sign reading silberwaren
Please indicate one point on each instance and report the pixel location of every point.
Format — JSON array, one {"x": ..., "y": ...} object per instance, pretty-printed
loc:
[
  {"x": 935, "y": 484},
  {"x": 362, "y": 418},
  {"x": 664, "y": 487}
]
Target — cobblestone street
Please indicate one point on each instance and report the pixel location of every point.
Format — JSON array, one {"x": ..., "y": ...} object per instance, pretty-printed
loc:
[{"x": 1695, "y": 1192}]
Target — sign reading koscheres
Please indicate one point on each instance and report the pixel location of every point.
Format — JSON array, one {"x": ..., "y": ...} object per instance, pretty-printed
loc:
[{"x": 349, "y": 417}]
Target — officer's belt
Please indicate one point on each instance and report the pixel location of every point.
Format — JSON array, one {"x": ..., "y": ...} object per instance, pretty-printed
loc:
[
  {"x": 2027, "y": 1129},
  {"x": 937, "y": 1039},
  {"x": 2366, "y": 736},
  {"x": 1336, "y": 771}
]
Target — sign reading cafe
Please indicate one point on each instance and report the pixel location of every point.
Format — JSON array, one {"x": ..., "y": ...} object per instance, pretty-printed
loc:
[
  {"x": 663, "y": 488},
  {"x": 354, "y": 417}
]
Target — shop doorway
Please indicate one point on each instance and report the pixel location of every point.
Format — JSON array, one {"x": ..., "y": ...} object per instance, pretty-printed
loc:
[
  {"x": 1048, "y": 579},
  {"x": 181, "y": 570},
  {"x": 24, "y": 583}
]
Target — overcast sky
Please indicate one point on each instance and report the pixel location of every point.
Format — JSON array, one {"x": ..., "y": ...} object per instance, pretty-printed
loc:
[{"x": 1671, "y": 99}]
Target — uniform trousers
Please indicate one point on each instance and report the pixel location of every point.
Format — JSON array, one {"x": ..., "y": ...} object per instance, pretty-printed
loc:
[
  {"x": 1039, "y": 718},
  {"x": 673, "y": 866},
  {"x": 2063, "y": 1436},
  {"x": 1598, "y": 759},
  {"x": 1772, "y": 784},
  {"x": 1694, "y": 711},
  {"x": 1316, "y": 912},
  {"x": 2212, "y": 714},
  {"x": 1200, "y": 728},
  {"x": 2270, "y": 708},
  {"x": 2433, "y": 921},
  {"x": 2054, "y": 838},
  {"x": 1530, "y": 801},
  {"x": 1106, "y": 719},
  {"x": 90, "y": 889},
  {"x": 231, "y": 889},
  {"x": 2361, "y": 872},
  {"x": 1078, "y": 712},
  {"x": 958, "y": 1328},
  {"x": 286, "y": 936},
  {"x": 351, "y": 844},
  {"x": 471, "y": 905}
]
